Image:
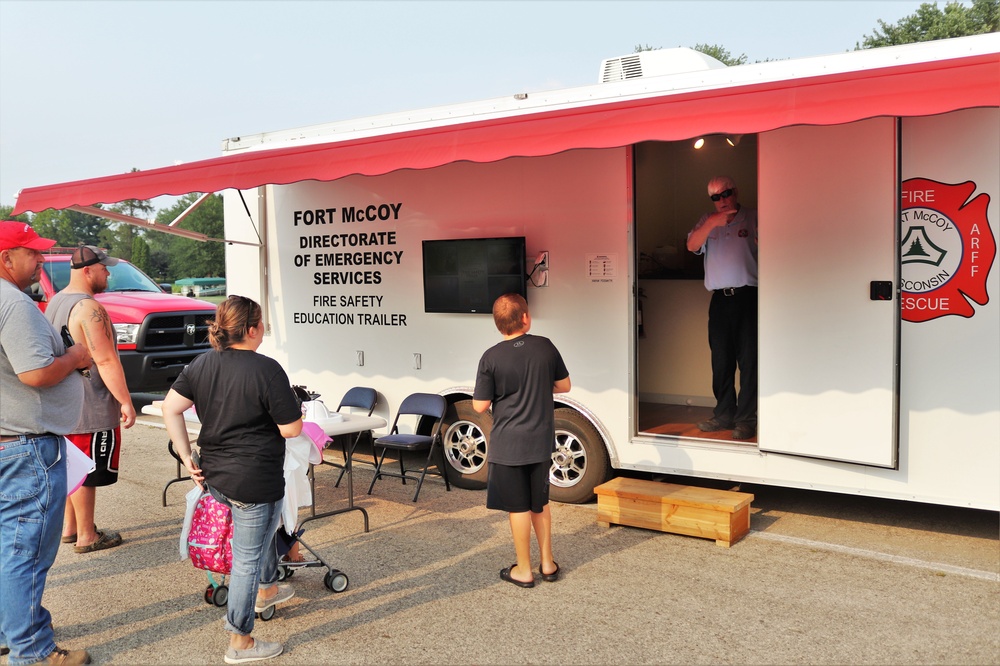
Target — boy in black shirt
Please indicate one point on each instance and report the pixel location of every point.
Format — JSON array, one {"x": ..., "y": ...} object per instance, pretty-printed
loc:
[{"x": 518, "y": 377}]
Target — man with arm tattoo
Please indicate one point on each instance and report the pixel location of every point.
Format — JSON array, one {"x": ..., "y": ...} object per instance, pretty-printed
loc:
[{"x": 108, "y": 405}]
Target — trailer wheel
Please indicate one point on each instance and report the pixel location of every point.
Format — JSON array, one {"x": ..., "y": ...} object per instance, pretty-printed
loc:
[
  {"x": 465, "y": 436},
  {"x": 580, "y": 462}
]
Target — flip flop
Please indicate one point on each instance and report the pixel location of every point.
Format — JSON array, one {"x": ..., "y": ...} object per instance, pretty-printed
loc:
[
  {"x": 105, "y": 539},
  {"x": 505, "y": 575},
  {"x": 550, "y": 577}
]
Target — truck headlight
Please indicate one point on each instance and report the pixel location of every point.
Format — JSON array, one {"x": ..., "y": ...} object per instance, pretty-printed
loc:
[{"x": 126, "y": 333}]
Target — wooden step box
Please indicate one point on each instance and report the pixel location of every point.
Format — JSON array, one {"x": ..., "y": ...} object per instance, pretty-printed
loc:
[{"x": 723, "y": 515}]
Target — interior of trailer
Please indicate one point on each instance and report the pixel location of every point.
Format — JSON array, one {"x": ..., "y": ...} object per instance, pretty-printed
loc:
[{"x": 673, "y": 363}]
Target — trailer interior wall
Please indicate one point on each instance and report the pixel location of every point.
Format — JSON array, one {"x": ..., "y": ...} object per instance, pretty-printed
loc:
[{"x": 575, "y": 205}]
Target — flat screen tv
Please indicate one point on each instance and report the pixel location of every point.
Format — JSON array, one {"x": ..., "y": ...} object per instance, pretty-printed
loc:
[{"x": 468, "y": 274}]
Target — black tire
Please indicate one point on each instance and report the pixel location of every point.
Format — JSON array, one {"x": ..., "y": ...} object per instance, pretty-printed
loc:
[
  {"x": 221, "y": 596},
  {"x": 465, "y": 434},
  {"x": 266, "y": 614},
  {"x": 580, "y": 462},
  {"x": 209, "y": 593},
  {"x": 336, "y": 581}
]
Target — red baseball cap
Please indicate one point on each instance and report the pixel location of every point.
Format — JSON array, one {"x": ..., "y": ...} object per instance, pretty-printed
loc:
[{"x": 20, "y": 234}]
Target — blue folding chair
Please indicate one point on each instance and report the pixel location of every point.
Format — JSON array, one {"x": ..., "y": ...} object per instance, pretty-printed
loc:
[
  {"x": 363, "y": 399},
  {"x": 423, "y": 406}
]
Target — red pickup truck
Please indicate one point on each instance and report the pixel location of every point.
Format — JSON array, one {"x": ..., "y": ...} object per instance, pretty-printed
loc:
[{"x": 158, "y": 333}]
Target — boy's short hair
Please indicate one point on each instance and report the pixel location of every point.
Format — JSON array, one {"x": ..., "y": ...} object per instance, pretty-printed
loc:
[{"x": 508, "y": 313}]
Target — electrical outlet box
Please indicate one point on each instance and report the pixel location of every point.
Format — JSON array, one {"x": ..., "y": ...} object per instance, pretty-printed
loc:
[{"x": 541, "y": 269}]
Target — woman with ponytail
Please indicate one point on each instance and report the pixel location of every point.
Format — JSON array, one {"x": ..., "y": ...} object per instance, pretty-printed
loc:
[{"x": 247, "y": 409}]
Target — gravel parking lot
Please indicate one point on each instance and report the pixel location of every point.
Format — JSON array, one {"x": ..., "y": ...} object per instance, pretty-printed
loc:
[{"x": 821, "y": 579}]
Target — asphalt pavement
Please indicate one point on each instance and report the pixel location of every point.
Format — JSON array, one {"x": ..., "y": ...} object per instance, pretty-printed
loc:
[{"x": 821, "y": 579}]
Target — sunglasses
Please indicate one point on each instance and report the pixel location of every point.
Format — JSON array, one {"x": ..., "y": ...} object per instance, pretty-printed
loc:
[{"x": 724, "y": 194}]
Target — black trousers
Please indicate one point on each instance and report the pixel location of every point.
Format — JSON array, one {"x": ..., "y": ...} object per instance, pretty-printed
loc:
[{"x": 732, "y": 336}]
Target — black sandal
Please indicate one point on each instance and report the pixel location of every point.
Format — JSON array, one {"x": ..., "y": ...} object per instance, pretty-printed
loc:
[
  {"x": 505, "y": 575},
  {"x": 550, "y": 577}
]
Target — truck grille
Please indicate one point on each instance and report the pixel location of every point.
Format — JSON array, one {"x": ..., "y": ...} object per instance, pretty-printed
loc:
[{"x": 174, "y": 330}]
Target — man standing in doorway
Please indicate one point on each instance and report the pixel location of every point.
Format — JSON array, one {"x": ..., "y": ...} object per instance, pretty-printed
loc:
[
  {"x": 109, "y": 405},
  {"x": 42, "y": 400},
  {"x": 727, "y": 239}
]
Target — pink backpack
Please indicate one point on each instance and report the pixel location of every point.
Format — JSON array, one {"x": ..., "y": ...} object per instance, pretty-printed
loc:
[{"x": 211, "y": 532}]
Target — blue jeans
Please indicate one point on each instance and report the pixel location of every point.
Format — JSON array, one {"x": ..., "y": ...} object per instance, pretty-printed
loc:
[
  {"x": 255, "y": 558},
  {"x": 32, "y": 503}
]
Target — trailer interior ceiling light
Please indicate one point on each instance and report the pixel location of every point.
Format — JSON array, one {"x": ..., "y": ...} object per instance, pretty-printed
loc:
[
  {"x": 734, "y": 139},
  {"x": 699, "y": 143}
]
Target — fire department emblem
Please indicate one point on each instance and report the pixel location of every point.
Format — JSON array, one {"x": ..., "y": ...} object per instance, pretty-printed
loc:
[{"x": 947, "y": 249}]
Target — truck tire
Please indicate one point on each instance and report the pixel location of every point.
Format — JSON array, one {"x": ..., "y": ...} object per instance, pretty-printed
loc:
[
  {"x": 464, "y": 433},
  {"x": 580, "y": 462}
]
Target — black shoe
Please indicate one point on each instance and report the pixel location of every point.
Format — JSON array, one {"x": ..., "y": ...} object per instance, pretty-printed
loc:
[
  {"x": 744, "y": 431},
  {"x": 714, "y": 424}
]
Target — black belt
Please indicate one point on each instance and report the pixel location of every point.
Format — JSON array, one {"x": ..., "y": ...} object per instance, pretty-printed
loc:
[
  {"x": 732, "y": 291},
  {"x": 14, "y": 438}
]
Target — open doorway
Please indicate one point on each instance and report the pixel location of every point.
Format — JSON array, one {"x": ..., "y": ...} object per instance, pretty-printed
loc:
[{"x": 673, "y": 362}]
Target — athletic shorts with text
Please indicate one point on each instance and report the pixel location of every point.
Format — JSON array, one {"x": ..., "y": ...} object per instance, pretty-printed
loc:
[{"x": 104, "y": 448}]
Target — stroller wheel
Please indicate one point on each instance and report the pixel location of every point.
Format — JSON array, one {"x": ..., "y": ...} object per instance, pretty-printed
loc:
[
  {"x": 336, "y": 581},
  {"x": 267, "y": 614},
  {"x": 285, "y": 573},
  {"x": 221, "y": 595},
  {"x": 209, "y": 593}
]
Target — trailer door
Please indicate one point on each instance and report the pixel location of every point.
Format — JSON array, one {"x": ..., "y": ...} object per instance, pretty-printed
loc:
[{"x": 828, "y": 345}]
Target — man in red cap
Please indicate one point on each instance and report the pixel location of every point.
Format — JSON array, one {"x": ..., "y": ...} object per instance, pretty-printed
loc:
[
  {"x": 42, "y": 401},
  {"x": 109, "y": 405}
]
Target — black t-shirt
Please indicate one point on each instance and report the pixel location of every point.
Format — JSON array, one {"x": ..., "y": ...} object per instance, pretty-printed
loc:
[
  {"x": 240, "y": 396},
  {"x": 517, "y": 376}
]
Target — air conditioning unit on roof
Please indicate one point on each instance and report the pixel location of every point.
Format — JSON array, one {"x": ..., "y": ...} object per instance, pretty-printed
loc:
[{"x": 660, "y": 62}]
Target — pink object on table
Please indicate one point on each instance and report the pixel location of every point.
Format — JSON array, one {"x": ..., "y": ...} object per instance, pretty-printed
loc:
[{"x": 316, "y": 434}]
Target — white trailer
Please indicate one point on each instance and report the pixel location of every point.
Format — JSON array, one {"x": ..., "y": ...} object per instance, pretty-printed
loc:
[{"x": 876, "y": 175}]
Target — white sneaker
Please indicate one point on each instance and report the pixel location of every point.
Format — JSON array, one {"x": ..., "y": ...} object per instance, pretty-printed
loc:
[
  {"x": 285, "y": 592},
  {"x": 259, "y": 651}
]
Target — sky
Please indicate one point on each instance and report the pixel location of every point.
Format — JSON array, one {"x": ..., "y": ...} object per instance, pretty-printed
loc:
[{"x": 92, "y": 89}]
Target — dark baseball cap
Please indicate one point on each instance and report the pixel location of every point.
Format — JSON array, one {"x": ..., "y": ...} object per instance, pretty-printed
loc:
[
  {"x": 20, "y": 234},
  {"x": 88, "y": 255}
]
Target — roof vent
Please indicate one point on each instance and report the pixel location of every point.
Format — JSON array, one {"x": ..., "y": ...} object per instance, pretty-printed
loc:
[{"x": 656, "y": 63}]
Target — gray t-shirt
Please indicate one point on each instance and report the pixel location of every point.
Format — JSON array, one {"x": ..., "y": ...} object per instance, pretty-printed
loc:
[{"x": 28, "y": 342}]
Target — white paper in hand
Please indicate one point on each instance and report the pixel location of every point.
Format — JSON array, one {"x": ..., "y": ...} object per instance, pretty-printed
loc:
[{"x": 78, "y": 466}]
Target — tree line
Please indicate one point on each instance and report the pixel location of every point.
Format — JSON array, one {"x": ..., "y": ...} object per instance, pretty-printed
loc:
[{"x": 164, "y": 257}]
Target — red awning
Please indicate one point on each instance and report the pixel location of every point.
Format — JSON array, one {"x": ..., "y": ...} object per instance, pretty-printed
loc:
[{"x": 907, "y": 90}]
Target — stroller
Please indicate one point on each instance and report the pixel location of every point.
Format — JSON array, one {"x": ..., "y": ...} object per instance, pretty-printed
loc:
[{"x": 209, "y": 548}]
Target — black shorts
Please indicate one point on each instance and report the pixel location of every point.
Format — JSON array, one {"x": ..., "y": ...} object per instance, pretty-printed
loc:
[{"x": 518, "y": 488}]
